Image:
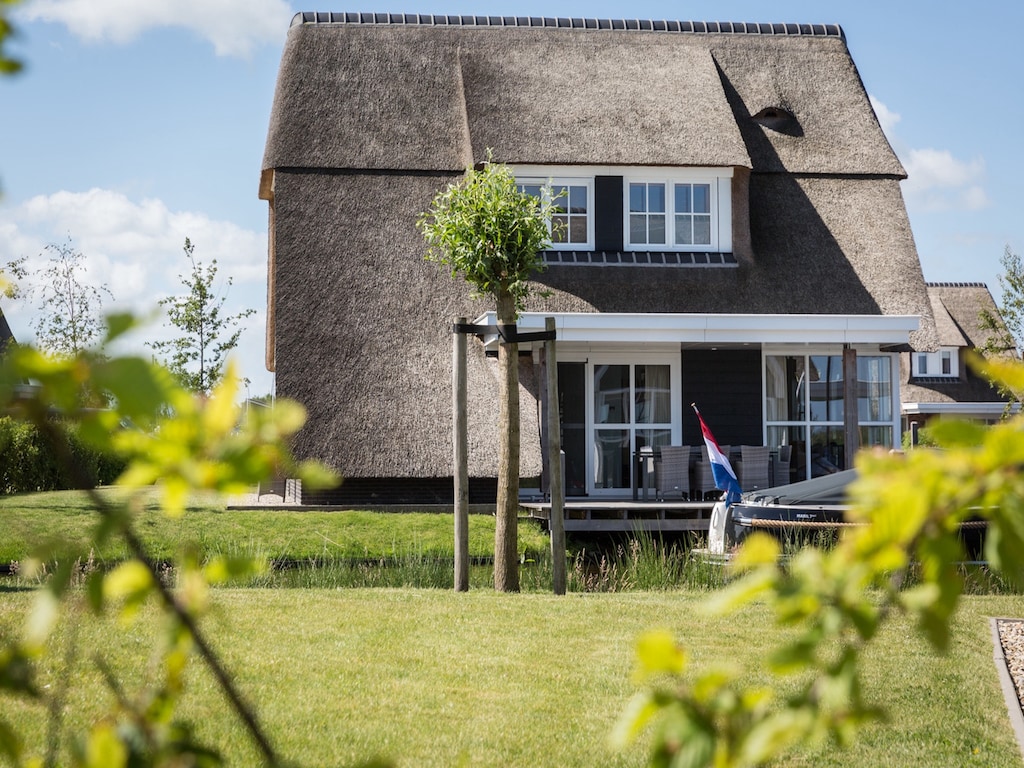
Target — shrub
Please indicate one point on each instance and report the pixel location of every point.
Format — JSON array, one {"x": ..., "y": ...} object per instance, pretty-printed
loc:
[{"x": 28, "y": 463}]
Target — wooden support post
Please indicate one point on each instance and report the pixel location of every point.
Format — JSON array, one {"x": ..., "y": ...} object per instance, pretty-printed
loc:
[
  {"x": 460, "y": 467},
  {"x": 851, "y": 424},
  {"x": 557, "y": 481}
]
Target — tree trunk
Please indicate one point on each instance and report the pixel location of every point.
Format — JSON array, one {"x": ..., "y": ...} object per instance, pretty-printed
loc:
[{"x": 506, "y": 534}]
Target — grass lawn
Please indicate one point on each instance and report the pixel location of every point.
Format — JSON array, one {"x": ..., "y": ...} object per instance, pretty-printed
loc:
[
  {"x": 433, "y": 678},
  {"x": 272, "y": 534}
]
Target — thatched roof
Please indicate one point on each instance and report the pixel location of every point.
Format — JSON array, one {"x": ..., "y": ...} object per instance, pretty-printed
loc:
[
  {"x": 371, "y": 119},
  {"x": 962, "y": 305},
  {"x": 6, "y": 336},
  {"x": 957, "y": 308},
  {"x": 422, "y": 97}
]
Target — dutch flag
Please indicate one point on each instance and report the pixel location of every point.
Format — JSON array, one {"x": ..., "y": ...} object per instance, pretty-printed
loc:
[{"x": 725, "y": 478}]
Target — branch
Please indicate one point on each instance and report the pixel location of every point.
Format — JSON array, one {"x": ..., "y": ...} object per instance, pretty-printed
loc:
[{"x": 57, "y": 439}]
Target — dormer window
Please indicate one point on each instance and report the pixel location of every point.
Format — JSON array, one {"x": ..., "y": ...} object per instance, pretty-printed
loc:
[
  {"x": 945, "y": 364},
  {"x": 677, "y": 211},
  {"x": 572, "y": 222},
  {"x": 631, "y": 216}
]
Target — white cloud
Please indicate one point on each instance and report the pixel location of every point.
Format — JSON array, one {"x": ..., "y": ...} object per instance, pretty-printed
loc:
[
  {"x": 234, "y": 27},
  {"x": 135, "y": 249},
  {"x": 938, "y": 181},
  {"x": 886, "y": 117}
]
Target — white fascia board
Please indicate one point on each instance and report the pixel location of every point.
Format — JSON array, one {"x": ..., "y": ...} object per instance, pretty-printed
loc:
[
  {"x": 646, "y": 171},
  {"x": 953, "y": 409},
  {"x": 720, "y": 329}
]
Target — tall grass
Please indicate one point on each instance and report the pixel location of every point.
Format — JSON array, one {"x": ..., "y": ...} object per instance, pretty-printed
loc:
[{"x": 639, "y": 563}]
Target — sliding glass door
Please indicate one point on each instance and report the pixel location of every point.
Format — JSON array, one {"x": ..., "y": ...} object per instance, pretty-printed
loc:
[
  {"x": 804, "y": 408},
  {"x": 631, "y": 402}
]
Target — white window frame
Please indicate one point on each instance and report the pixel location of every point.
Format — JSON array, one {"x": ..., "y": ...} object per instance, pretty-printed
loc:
[
  {"x": 597, "y": 356},
  {"x": 933, "y": 363},
  {"x": 807, "y": 423},
  {"x": 554, "y": 182},
  {"x": 720, "y": 183}
]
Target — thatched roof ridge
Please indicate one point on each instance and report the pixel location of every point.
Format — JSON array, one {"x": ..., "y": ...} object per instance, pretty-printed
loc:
[
  {"x": 656, "y": 25},
  {"x": 434, "y": 97}
]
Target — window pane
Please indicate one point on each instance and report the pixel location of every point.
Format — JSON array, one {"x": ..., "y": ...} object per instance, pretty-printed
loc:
[
  {"x": 702, "y": 230},
  {"x": 637, "y": 228},
  {"x": 559, "y": 199},
  {"x": 611, "y": 451},
  {"x": 578, "y": 229},
  {"x": 653, "y": 393},
  {"x": 657, "y": 229},
  {"x": 683, "y": 204},
  {"x": 578, "y": 199},
  {"x": 684, "y": 234},
  {"x": 655, "y": 437},
  {"x": 611, "y": 394},
  {"x": 656, "y": 197},
  {"x": 796, "y": 439},
  {"x": 947, "y": 363},
  {"x": 637, "y": 197},
  {"x": 572, "y": 400},
  {"x": 702, "y": 198},
  {"x": 530, "y": 189},
  {"x": 559, "y": 229},
  {"x": 825, "y": 380},
  {"x": 876, "y": 437},
  {"x": 828, "y": 454},
  {"x": 874, "y": 389},
  {"x": 785, "y": 388}
]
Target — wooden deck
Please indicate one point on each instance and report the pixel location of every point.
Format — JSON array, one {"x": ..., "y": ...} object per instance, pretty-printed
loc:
[{"x": 593, "y": 516}]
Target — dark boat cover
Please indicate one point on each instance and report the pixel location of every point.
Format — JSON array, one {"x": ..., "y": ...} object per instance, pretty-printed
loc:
[{"x": 825, "y": 490}]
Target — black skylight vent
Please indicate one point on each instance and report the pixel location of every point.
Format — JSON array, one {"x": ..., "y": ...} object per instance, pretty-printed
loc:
[{"x": 780, "y": 120}]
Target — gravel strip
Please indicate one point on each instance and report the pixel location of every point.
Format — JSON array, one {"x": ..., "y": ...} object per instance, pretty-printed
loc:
[{"x": 1011, "y": 637}]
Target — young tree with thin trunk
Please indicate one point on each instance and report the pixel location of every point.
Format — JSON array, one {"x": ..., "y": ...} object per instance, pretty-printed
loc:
[
  {"x": 1006, "y": 331},
  {"x": 490, "y": 233},
  {"x": 70, "y": 318},
  {"x": 197, "y": 356}
]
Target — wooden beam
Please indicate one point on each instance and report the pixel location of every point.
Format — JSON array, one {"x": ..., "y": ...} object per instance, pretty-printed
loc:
[{"x": 460, "y": 445}]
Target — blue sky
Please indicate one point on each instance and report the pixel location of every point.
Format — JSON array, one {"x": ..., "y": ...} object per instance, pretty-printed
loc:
[{"x": 131, "y": 130}]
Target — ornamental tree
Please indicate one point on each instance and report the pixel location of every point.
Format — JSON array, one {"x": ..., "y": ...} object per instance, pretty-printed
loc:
[
  {"x": 70, "y": 318},
  {"x": 197, "y": 356},
  {"x": 490, "y": 233}
]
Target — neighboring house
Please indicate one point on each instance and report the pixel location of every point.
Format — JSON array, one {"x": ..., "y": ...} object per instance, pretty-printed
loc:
[
  {"x": 734, "y": 221},
  {"x": 6, "y": 336},
  {"x": 940, "y": 382}
]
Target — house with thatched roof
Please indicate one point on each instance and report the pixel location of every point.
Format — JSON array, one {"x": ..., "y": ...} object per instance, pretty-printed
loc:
[
  {"x": 732, "y": 229},
  {"x": 940, "y": 382},
  {"x": 6, "y": 335}
]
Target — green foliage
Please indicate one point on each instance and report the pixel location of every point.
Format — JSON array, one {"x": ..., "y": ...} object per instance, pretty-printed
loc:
[
  {"x": 70, "y": 309},
  {"x": 181, "y": 442},
  {"x": 198, "y": 355},
  {"x": 834, "y": 603},
  {"x": 8, "y": 65},
  {"x": 1006, "y": 331},
  {"x": 1008, "y": 334},
  {"x": 29, "y": 464},
  {"x": 488, "y": 232}
]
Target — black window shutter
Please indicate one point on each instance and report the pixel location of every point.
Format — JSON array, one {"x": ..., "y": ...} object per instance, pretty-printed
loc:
[{"x": 608, "y": 213}]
